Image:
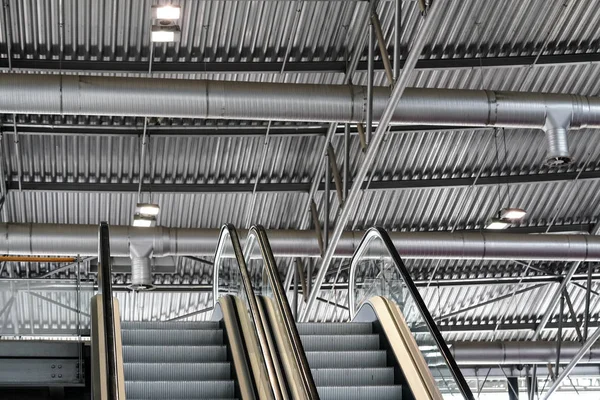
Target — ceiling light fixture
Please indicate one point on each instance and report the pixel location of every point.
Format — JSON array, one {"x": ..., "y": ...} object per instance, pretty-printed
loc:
[
  {"x": 142, "y": 221},
  {"x": 147, "y": 209},
  {"x": 166, "y": 12},
  {"x": 165, "y": 33},
  {"x": 513, "y": 214},
  {"x": 497, "y": 224}
]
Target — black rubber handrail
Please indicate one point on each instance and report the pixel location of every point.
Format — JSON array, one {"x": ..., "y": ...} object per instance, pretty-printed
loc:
[
  {"x": 416, "y": 296},
  {"x": 283, "y": 307},
  {"x": 105, "y": 288}
]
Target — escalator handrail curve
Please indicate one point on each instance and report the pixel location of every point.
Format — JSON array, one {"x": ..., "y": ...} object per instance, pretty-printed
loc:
[
  {"x": 229, "y": 232},
  {"x": 260, "y": 235},
  {"x": 414, "y": 292}
]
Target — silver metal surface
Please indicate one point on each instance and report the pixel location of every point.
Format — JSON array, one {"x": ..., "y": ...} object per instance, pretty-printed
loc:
[{"x": 64, "y": 240}]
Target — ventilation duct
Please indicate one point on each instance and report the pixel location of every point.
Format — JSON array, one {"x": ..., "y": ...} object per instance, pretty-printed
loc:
[
  {"x": 519, "y": 352},
  {"x": 127, "y": 241},
  {"x": 555, "y": 114}
]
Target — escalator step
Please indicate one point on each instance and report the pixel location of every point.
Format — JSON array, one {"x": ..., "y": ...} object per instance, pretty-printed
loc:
[
  {"x": 170, "y": 325},
  {"x": 317, "y": 328},
  {"x": 174, "y": 354},
  {"x": 172, "y": 338},
  {"x": 360, "y": 392},
  {"x": 177, "y": 371},
  {"x": 179, "y": 389},
  {"x": 353, "y": 376},
  {"x": 340, "y": 342},
  {"x": 346, "y": 359}
]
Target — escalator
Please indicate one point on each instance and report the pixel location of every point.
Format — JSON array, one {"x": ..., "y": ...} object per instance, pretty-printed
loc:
[
  {"x": 390, "y": 349},
  {"x": 348, "y": 362},
  {"x": 219, "y": 359},
  {"x": 176, "y": 360},
  {"x": 253, "y": 348}
]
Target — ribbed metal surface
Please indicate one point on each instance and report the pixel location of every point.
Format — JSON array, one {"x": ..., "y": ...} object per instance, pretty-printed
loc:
[
  {"x": 180, "y": 390},
  {"x": 183, "y": 354},
  {"x": 354, "y": 376},
  {"x": 359, "y": 393},
  {"x": 154, "y": 337},
  {"x": 341, "y": 359},
  {"x": 346, "y": 361},
  {"x": 260, "y": 31},
  {"x": 340, "y": 342},
  {"x": 175, "y": 360},
  {"x": 177, "y": 372}
]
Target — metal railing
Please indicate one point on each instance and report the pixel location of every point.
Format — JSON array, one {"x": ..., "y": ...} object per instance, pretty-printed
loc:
[
  {"x": 412, "y": 306},
  {"x": 229, "y": 237},
  {"x": 257, "y": 238}
]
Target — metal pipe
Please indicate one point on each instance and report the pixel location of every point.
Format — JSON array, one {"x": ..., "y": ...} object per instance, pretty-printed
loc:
[
  {"x": 326, "y": 197},
  {"x": 397, "y": 37},
  {"x": 346, "y": 170},
  {"x": 67, "y": 240},
  {"x": 38, "y": 259},
  {"x": 145, "y": 97},
  {"x": 385, "y": 57},
  {"x": 519, "y": 352},
  {"x": 555, "y": 299},
  {"x": 372, "y": 151},
  {"x": 576, "y": 359},
  {"x": 370, "y": 75}
]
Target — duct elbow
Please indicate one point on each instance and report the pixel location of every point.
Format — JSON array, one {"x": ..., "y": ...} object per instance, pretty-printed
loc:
[{"x": 559, "y": 119}]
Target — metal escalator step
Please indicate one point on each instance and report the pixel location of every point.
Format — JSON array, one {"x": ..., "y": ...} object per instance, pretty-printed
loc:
[
  {"x": 170, "y": 325},
  {"x": 346, "y": 359},
  {"x": 353, "y": 376},
  {"x": 179, "y": 389},
  {"x": 353, "y": 328},
  {"x": 177, "y": 371},
  {"x": 172, "y": 338},
  {"x": 174, "y": 354},
  {"x": 340, "y": 342},
  {"x": 360, "y": 392}
]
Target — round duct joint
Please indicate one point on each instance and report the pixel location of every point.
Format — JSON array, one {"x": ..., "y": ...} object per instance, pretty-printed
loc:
[{"x": 141, "y": 274}]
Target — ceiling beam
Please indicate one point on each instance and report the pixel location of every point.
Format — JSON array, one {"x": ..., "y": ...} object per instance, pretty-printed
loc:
[
  {"x": 64, "y": 129},
  {"x": 303, "y": 187},
  {"x": 198, "y": 67}
]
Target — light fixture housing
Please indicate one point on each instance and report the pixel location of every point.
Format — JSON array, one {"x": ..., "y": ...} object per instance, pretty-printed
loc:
[
  {"x": 497, "y": 224},
  {"x": 165, "y": 32},
  {"x": 513, "y": 214},
  {"x": 166, "y": 12},
  {"x": 147, "y": 209},
  {"x": 142, "y": 221}
]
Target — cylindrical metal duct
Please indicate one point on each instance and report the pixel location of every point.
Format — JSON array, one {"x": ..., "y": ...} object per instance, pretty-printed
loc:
[
  {"x": 141, "y": 273},
  {"x": 522, "y": 352},
  {"x": 68, "y": 240},
  {"x": 88, "y": 95},
  {"x": 558, "y": 147}
]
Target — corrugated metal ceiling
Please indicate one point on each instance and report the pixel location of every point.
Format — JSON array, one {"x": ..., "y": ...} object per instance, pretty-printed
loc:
[{"x": 244, "y": 31}]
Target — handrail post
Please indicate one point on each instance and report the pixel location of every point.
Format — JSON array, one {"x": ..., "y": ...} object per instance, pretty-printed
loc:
[{"x": 105, "y": 289}]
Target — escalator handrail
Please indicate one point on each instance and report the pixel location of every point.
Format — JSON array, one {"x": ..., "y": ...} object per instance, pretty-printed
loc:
[
  {"x": 414, "y": 292},
  {"x": 228, "y": 232},
  {"x": 105, "y": 288},
  {"x": 283, "y": 307}
]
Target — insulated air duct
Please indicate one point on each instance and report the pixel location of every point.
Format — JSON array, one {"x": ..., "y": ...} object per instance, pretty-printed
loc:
[
  {"x": 518, "y": 352},
  {"x": 555, "y": 114},
  {"x": 127, "y": 241}
]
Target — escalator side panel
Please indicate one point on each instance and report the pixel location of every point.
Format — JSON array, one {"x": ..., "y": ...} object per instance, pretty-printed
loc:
[
  {"x": 99, "y": 374},
  {"x": 403, "y": 346}
]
